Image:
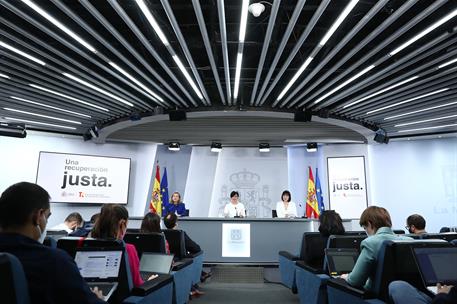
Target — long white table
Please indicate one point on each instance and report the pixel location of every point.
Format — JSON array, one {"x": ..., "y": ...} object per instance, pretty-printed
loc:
[{"x": 267, "y": 236}]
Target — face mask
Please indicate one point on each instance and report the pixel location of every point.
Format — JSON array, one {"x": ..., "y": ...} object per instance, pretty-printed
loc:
[{"x": 42, "y": 234}]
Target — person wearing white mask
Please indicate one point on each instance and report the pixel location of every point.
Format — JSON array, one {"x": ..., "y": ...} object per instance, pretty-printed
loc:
[
  {"x": 52, "y": 275},
  {"x": 234, "y": 208}
]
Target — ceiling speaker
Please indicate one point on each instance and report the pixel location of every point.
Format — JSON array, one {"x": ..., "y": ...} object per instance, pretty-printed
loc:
[
  {"x": 177, "y": 115},
  {"x": 303, "y": 115}
]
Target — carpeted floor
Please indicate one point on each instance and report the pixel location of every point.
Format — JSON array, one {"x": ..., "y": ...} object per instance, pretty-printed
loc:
[{"x": 264, "y": 293}]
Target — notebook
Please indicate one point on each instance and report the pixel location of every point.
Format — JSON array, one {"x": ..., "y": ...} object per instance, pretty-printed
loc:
[
  {"x": 341, "y": 260},
  {"x": 100, "y": 268},
  {"x": 155, "y": 263},
  {"x": 436, "y": 265}
]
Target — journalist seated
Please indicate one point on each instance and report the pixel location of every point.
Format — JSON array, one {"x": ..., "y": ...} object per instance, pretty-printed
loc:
[{"x": 51, "y": 273}]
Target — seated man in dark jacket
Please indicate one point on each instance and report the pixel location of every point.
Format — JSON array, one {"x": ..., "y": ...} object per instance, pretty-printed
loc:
[{"x": 52, "y": 275}]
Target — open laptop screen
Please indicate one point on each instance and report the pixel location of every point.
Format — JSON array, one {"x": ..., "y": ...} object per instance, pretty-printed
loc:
[
  {"x": 437, "y": 265},
  {"x": 156, "y": 263},
  {"x": 98, "y": 264},
  {"x": 341, "y": 260}
]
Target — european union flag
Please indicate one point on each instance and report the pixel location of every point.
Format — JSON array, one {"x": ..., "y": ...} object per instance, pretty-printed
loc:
[
  {"x": 320, "y": 197},
  {"x": 164, "y": 189}
]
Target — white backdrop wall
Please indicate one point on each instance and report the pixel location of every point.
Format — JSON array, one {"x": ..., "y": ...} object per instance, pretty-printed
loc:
[
  {"x": 416, "y": 177},
  {"x": 19, "y": 161},
  {"x": 200, "y": 181},
  {"x": 298, "y": 160},
  {"x": 258, "y": 177}
]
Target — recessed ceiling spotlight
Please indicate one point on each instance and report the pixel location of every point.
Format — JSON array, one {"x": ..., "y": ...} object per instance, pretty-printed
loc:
[
  {"x": 264, "y": 147},
  {"x": 216, "y": 147},
  {"x": 256, "y": 9},
  {"x": 174, "y": 146},
  {"x": 311, "y": 147}
]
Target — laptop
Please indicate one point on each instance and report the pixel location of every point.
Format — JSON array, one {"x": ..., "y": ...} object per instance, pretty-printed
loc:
[
  {"x": 100, "y": 268},
  {"x": 155, "y": 263},
  {"x": 341, "y": 260},
  {"x": 437, "y": 265}
]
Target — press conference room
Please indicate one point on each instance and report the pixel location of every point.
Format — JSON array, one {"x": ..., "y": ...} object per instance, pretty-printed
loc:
[{"x": 228, "y": 151}]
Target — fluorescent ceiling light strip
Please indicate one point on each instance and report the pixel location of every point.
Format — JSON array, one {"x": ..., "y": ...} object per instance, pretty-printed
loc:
[
  {"x": 39, "y": 123},
  {"x": 338, "y": 22},
  {"x": 244, "y": 20},
  {"x": 381, "y": 91},
  {"x": 97, "y": 89},
  {"x": 421, "y": 110},
  {"x": 69, "y": 97},
  {"x": 59, "y": 25},
  {"x": 447, "y": 63},
  {"x": 186, "y": 74},
  {"x": 428, "y": 128},
  {"x": 345, "y": 83},
  {"x": 292, "y": 81},
  {"x": 12, "y": 48},
  {"x": 41, "y": 115},
  {"x": 425, "y": 32},
  {"x": 154, "y": 95},
  {"x": 4, "y": 76},
  {"x": 407, "y": 100},
  {"x": 239, "y": 59},
  {"x": 50, "y": 107},
  {"x": 425, "y": 120},
  {"x": 152, "y": 21}
]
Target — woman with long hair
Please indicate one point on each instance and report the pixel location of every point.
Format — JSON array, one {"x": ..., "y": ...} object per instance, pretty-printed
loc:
[{"x": 112, "y": 224}]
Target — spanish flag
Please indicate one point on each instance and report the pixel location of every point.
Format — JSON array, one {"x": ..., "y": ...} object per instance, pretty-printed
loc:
[
  {"x": 155, "y": 205},
  {"x": 312, "y": 206}
]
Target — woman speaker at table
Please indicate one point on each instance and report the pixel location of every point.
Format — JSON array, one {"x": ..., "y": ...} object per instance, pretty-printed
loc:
[
  {"x": 234, "y": 208},
  {"x": 286, "y": 208}
]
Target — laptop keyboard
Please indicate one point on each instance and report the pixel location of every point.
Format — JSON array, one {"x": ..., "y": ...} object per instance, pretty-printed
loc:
[
  {"x": 145, "y": 275},
  {"x": 104, "y": 287}
]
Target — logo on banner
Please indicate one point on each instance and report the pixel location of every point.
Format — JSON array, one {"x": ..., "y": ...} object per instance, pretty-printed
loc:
[
  {"x": 236, "y": 235},
  {"x": 347, "y": 187}
]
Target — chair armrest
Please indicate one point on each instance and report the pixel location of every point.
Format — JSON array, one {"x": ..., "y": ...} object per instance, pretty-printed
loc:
[
  {"x": 152, "y": 285},
  {"x": 180, "y": 264},
  {"x": 344, "y": 286},
  {"x": 193, "y": 255},
  {"x": 288, "y": 255},
  {"x": 302, "y": 264}
]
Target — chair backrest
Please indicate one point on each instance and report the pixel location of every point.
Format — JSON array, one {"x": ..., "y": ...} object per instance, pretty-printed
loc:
[
  {"x": 399, "y": 231},
  {"x": 441, "y": 236},
  {"x": 56, "y": 234},
  {"x": 274, "y": 213},
  {"x": 176, "y": 242},
  {"x": 346, "y": 241},
  {"x": 13, "y": 288},
  {"x": 133, "y": 230},
  {"x": 70, "y": 244},
  {"x": 50, "y": 242},
  {"x": 146, "y": 242},
  {"x": 396, "y": 262},
  {"x": 361, "y": 232},
  {"x": 312, "y": 249}
]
